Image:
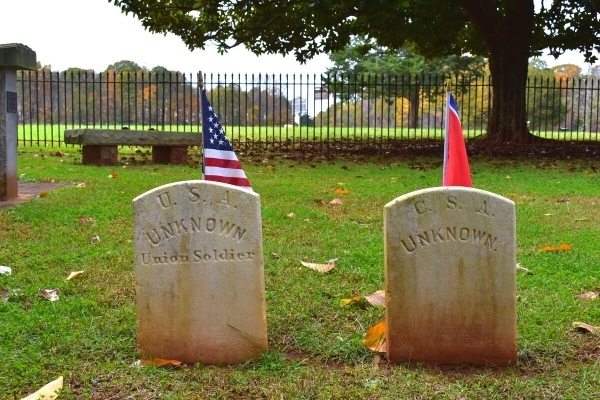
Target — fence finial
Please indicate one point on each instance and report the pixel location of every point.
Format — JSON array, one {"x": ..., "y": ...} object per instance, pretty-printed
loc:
[{"x": 449, "y": 84}]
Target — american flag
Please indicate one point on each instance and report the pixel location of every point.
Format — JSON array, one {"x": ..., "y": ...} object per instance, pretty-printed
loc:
[
  {"x": 456, "y": 170},
  {"x": 220, "y": 163}
]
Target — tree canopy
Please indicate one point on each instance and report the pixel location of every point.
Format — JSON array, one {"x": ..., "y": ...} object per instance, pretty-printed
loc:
[{"x": 506, "y": 32}]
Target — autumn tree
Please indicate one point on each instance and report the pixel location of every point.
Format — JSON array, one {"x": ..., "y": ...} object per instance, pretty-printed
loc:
[
  {"x": 399, "y": 73},
  {"x": 506, "y": 32}
]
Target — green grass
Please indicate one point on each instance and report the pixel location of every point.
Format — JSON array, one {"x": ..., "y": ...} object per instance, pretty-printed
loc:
[
  {"x": 315, "y": 349},
  {"x": 52, "y": 135}
]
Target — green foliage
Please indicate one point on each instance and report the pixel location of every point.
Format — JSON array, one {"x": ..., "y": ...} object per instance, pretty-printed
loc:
[
  {"x": 506, "y": 32},
  {"x": 418, "y": 78}
]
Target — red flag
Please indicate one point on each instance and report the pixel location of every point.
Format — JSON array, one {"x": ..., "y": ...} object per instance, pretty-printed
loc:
[
  {"x": 456, "y": 165},
  {"x": 219, "y": 162}
]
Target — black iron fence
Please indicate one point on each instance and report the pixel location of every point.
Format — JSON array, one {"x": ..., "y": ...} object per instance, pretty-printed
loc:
[{"x": 291, "y": 111}]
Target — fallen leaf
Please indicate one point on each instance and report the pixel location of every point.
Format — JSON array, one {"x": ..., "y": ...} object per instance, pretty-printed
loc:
[
  {"x": 375, "y": 338},
  {"x": 80, "y": 185},
  {"x": 48, "y": 392},
  {"x": 50, "y": 294},
  {"x": 562, "y": 247},
  {"x": 291, "y": 215},
  {"x": 520, "y": 268},
  {"x": 157, "y": 362},
  {"x": 74, "y": 274},
  {"x": 586, "y": 328},
  {"x": 113, "y": 175},
  {"x": 336, "y": 201},
  {"x": 94, "y": 239},
  {"x": 340, "y": 190},
  {"x": 321, "y": 267},
  {"x": 591, "y": 295},
  {"x": 5, "y": 270},
  {"x": 44, "y": 193},
  {"x": 4, "y": 292},
  {"x": 58, "y": 154},
  {"x": 377, "y": 299},
  {"x": 86, "y": 220},
  {"x": 345, "y": 302}
]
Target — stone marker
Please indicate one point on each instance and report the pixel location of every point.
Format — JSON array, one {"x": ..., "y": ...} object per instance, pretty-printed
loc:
[
  {"x": 450, "y": 272},
  {"x": 200, "y": 273},
  {"x": 13, "y": 57}
]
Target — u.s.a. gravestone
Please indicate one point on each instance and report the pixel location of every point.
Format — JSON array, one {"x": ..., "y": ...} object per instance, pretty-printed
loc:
[
  {"x": 199, "y": 273},
  {"x": 450, "y": 277}
]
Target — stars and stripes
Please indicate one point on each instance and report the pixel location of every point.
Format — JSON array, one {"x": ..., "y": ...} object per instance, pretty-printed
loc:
[{"x": 220, "y": 163}]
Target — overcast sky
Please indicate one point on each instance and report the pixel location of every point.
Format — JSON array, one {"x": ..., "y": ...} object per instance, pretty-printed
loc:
[{"x": 93, "y": 34}]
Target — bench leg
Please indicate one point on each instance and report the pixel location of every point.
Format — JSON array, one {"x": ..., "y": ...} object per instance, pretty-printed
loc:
[
  {"x": 170, "y": 154},
  {"x": 100, "y": 155}
]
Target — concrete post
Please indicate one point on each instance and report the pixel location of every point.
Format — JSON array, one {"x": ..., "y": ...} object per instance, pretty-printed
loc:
[{"x": 13, "y": 57}]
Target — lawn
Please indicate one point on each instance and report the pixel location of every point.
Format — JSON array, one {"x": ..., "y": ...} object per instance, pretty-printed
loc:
[
  {"x": 52, "y": 134},
  {"x": 315, "y": 351}
]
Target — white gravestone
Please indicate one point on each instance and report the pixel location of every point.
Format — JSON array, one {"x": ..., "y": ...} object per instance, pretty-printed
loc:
[
  {"x": 450, "y": 271},
  {"x": 199, "y": 273}
]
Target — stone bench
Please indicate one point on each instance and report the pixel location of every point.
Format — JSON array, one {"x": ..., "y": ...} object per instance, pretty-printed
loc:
[{"x": 100, "y": 146}]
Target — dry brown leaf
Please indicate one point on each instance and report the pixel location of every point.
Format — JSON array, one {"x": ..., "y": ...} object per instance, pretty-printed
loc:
[
  {"x": 157, "y": 362},
  {"x": 43, "y": 193},
  {"x": 94, "y": 239},
  {"x": 375, "y": 339},
  {"x": 80, "y": 185},
  {"x": 86, "y": 220},
  {"x": 377, "y": 299},
  {"x": 586, "y": 328},
  {"x": 562, "y": 247},
  {"x": 321, "y": 267},
  {"x": 48, "y": 392},
  {"x": 340, "y": 190},
  {"x": 591, "y": 295},
  {"x": 4, "y": 293},
  {"x": 74, "y": 274},
  {"x": 50, "y": 294},
  {"x": 336, "y": 201}
]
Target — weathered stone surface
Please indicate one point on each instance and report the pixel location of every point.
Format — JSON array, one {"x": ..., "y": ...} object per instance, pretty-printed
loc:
[
  {"x": 129, "y": 137},
  {"x": 200, "y": 274},
  {"x": 9, "y": 180},
  {"x": 17, "y": 56},
  {"x": 100, "y": 145},
  {"x": 170, "y": 154},
  {"x": 100, "y": 155},
  {"x": 450, "y": 277}
]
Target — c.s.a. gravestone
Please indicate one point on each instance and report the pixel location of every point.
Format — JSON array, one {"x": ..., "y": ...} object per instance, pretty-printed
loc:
[
  {"x": 199, "y": 273},
  {"x": 450, "y": 277}
]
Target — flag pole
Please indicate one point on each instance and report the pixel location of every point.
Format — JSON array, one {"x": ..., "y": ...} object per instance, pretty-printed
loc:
[
  {"x": 201, "y": 86},
  {"x": 446, "y": 130}
]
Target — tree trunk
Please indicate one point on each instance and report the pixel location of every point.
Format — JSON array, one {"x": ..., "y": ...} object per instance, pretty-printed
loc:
[
  {"x": 507, "y": 32},
  {"x": 413, "y": 102},
  {"x": 508, "y": 118}
]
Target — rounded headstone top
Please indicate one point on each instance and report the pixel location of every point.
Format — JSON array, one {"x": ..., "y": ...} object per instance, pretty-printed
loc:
[{"x": 17, "y": 56}]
